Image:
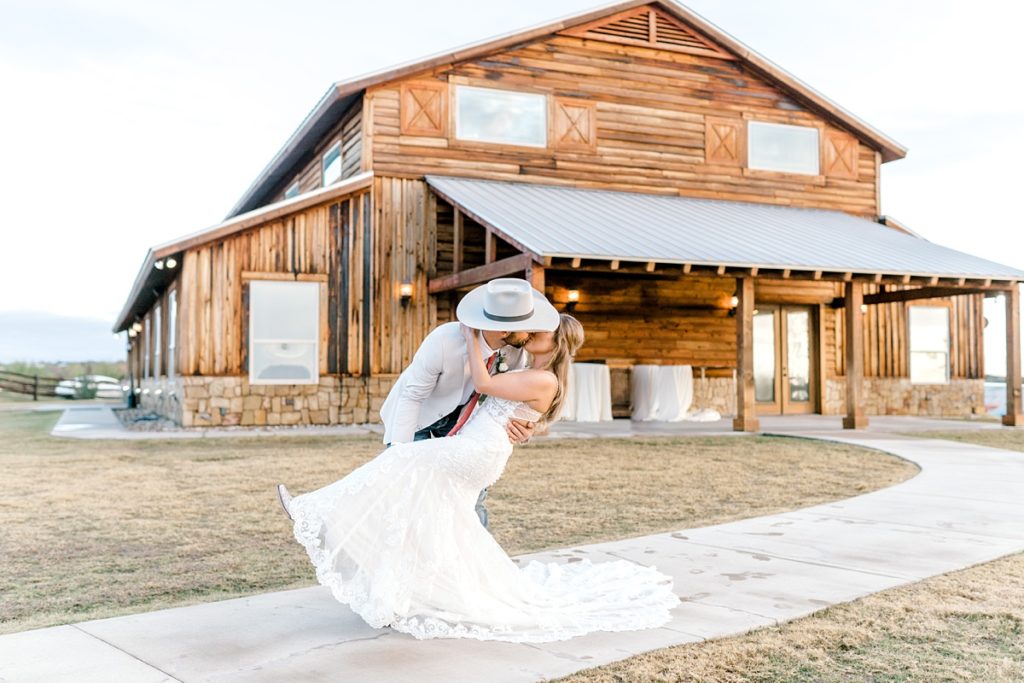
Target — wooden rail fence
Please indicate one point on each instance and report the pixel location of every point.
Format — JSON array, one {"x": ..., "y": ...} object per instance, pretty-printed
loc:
[{"x": 31, "y": 385}]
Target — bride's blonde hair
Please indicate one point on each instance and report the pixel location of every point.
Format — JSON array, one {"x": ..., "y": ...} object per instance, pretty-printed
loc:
[{"x": 568, "y": 339}]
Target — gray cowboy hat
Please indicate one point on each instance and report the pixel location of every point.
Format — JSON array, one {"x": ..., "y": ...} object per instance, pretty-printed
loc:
[{"x": 507, "y": 304}]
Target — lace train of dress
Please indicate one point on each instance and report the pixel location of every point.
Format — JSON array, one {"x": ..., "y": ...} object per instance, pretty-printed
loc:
[{"x": 398, "y": 541}]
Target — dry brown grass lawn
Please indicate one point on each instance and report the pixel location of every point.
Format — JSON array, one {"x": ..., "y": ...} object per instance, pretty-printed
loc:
[
  {"x": 1009, "y": 438},
  {"x": 963, "y": 626},
  {"x": 101, "y": 528}
]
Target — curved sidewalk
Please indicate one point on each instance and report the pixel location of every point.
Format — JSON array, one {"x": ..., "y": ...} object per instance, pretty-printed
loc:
[{"x": 963, "y": 508}]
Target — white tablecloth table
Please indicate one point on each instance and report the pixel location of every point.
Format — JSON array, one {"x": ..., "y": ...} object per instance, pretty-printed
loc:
[
  {"x": 662, "y": 392},
  {"x": 589, "y": 395}
]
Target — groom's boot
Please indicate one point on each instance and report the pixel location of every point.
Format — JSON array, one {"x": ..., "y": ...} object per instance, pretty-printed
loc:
[
  {"x": 285, "y": 498},
  {"x": 481, "y": 511}
]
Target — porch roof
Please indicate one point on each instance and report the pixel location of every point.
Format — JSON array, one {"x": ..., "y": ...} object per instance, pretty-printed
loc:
[{"x": 564, "y": 222}]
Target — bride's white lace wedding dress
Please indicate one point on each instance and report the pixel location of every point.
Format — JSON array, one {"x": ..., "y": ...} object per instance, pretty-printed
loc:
[{"x": 398, "y": 541}]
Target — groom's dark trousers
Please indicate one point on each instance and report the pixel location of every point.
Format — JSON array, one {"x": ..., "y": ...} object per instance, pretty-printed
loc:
[{"x": 440, "y": 429}]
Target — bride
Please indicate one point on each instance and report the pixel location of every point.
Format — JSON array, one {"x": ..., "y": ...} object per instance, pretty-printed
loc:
[{"x": 398, "y": 539}]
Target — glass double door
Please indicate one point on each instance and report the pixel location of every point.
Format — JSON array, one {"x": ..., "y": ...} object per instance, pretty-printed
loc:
[{"x": 784, "y": 367}]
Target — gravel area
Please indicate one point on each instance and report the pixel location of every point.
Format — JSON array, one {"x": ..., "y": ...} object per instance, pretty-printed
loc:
[{"x": 142, "y": 420}]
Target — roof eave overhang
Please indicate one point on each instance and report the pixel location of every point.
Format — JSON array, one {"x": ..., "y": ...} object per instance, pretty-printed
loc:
[{"x": 251, "y": 219}]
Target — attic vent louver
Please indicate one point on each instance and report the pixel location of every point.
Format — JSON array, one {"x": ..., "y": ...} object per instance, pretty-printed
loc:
[{"x": 649, "y": 27}]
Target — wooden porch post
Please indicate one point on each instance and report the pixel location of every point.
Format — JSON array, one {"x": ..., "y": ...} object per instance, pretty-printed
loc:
[
  {"x": 746, "y": 401},
  {"x": 855, "y": 417},
  {"x": 535, "y": 274},
  {"x": 1013, "y": 416}
]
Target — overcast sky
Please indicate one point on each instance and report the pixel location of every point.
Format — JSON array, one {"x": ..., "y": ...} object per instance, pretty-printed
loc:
[{"x": 125, "y": 123}]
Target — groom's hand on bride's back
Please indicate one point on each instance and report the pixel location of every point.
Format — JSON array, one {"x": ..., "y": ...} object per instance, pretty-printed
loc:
[{"x": 519, "y": 431}]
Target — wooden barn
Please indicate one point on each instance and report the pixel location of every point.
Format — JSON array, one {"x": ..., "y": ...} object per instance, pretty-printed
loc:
[{"x": 692, "y": 202}]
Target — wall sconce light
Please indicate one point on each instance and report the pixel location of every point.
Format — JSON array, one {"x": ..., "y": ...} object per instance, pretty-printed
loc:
[
  {"x": 734, "y": 301},
  {"x": 132, "y": 332},
  {"x": 137, "y": 326},
  {"x": 159, "y": 265},
  {"x": 574, "y": 298},
  {"x": 405, "y": 292},
  {"x": 863, "y": 308},
  {"x": 171, "y": 262}
]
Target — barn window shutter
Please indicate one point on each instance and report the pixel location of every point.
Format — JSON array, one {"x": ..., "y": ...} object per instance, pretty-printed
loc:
[
  {"x": 724, "y": 141},
  {"x": 651, "y": 28},
  {"x": 574, "y": 124},
  {"x": 423, "y": 108},
  {"x": 839, "y": 155}
]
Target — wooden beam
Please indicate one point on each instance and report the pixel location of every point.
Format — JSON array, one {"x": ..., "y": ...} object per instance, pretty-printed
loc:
[
  {"x": 746, "y": 400},
  {"x": 490, "y": 247},
  {"x": 915, "y": 294},
  {"x": 878, "y": 277},
  {"x": 475, "y": 276},
  {"x": 1013, "y": 416},
  {"x": 753, "y": 271},
  {"x": 785, "y": 273},
  {"x": 817, "y": 275},
  {"x": 615, "y": 265},
  {"x": 854, "y": 328},
  {"x": 650, "y": 266},
  {"x": 687, "y": 267},
  {"x": 721, "y": 270},
  {"x": 576, "y": 262},
  {"x": 368, "y": 275},
  {"x": 535, "y": 275},
  {"x": 457, "y": 240},
  {"x": 906, "y": 279},
  {"x": 934, "y": 280},
  {"x": 847, "y": 277}
]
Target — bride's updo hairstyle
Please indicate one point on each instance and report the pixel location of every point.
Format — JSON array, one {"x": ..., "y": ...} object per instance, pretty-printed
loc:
[{"x": 568, "y": 339}]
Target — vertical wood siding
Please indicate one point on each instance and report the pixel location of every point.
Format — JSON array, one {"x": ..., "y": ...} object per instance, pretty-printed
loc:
[
  {"x": 212, "y": 332},
  {"x": 404, "y": 250}
]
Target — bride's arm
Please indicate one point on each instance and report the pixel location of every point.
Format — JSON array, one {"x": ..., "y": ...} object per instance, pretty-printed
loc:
[{"x": 515, "y": 386}]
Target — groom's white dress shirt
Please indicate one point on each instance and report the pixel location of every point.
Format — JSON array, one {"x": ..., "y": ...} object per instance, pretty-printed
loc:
[{"x": 437, "y": 381}]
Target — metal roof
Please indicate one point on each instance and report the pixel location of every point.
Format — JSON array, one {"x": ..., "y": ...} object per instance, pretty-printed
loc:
[
  {"x": 341, "y": 95},
  {"x": 554, "y": 221}
]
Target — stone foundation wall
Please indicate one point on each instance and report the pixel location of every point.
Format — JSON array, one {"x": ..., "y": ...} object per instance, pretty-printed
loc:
[
  {"x": 216, "y": 401},
  {"x": 897, "y": 396},
  {"x": 222, "y": 401}
]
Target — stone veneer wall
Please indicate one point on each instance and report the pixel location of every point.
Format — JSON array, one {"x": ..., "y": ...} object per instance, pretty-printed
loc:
[
  {"x": 897, "y": 396},
  {"x": 221, "y": 401},
  {"x": 215, "y": 401}
]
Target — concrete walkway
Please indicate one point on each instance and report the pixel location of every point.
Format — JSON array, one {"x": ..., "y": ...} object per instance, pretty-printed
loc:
[{"x": 963, "y": 508}]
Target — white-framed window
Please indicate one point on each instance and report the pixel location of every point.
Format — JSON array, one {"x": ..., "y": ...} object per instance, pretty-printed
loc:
[
  {"x": 501, "y": 116},
  {"x": 172, "y": 329},
  {"x": 782, "y": 147},
  {"x": 145, "y": 348},
  {"x": 293, "y": 189},
  {"x": 284, "y": 332},
  {"x": 157, "y": 341},
  {"x": 331, "y": 165},
  {"x": 929, "y": 344}
]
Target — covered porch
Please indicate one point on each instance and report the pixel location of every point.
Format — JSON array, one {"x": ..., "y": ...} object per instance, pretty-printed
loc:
[{"x": 793, "y": 310}]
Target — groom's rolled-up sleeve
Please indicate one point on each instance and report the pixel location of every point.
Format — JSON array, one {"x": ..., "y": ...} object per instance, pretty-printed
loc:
[{"x": 424, "y": 372}]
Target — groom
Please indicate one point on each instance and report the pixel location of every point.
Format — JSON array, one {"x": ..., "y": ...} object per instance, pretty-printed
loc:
[{"x": 430, "y": 395}]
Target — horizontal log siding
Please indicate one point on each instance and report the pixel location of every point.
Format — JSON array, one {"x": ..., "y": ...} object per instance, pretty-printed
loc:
[
  {"x": 309, "y": 176},
  {"x": 212, "y": 335},
  {"x": 650, "y": 109}
]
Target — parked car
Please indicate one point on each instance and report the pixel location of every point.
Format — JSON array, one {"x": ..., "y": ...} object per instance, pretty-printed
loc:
[{"x": 82, "y": 387}]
